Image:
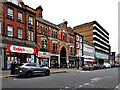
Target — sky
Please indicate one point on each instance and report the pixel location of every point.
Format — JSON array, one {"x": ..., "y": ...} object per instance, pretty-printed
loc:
[{"x": 77, "y": 12}]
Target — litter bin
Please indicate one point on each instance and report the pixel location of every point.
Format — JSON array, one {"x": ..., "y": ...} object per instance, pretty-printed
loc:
[{"x": 13, "y": 65}]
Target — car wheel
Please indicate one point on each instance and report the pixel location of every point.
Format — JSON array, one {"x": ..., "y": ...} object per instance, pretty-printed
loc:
[
  {"x": 47, "y": 73},
  {"x": 29, "y": 74},
  {"x": 91, "y": 69}
]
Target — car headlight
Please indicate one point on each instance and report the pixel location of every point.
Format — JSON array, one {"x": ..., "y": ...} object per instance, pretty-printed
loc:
[{"x": 20, "y": 71}]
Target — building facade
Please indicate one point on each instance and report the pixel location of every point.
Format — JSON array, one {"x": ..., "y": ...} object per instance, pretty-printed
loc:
[
  {"x": 17, "y": 34},
  {"x": 88, "y": 53},
  {"x": 94, "y": 33}
]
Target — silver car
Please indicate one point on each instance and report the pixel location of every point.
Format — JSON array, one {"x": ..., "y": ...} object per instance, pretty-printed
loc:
[
  {"x": 88, "y": 67},
  {"x": 30, "y": 69}
]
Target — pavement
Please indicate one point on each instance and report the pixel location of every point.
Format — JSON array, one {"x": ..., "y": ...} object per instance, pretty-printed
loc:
[{"x": 7, "y": 73}]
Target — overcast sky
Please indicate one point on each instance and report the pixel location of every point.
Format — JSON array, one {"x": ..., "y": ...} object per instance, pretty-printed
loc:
[{"x": 77, "y": 12}]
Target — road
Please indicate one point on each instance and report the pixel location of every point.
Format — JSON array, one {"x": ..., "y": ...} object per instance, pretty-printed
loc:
[{"x": 104, "y": 78}]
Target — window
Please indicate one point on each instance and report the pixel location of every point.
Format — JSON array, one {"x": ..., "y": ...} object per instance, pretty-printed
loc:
[
  {"x": 30, "y": 20},
  {"x": 46, "y": 31},
  {"x": 19, "y": 16},
  {"x": 52, "y": 33},
  {"x": 55, "y": 46},
  {"x": 41, "y": 29},
  {"x": 19, "y": 33},
  {"x": 77, "y": 38},
  {"x": 80, "y": 45},
  {"x": 10, "y": 31},
  {"x": 28, "y": 35},
  {"x": 31, "y": 36},
  {"x": 10, "y": 13},
  {"x": 63, "y": 36},
  {"x": 71, "y": 50},
  {"x": 77, "y": 45},
  {"x": 56, "y": 34},
  {"x": 80, "y": 39},
  {"x": 44, "y": 44}
]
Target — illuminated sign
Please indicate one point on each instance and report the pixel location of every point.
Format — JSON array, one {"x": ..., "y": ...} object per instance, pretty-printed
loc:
[{"x": 20, "y": 49}]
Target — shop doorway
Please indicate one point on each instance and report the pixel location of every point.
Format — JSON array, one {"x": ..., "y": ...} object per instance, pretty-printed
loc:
[{"x": 63, "y": 62}]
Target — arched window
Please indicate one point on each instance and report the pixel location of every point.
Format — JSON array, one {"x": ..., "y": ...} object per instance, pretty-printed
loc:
[
  {"x": 41, "y": 29},
  {"x": 56, "y": 34},
  {"x": 52, "y": 33},
  {"x": 44, "y": 44}
]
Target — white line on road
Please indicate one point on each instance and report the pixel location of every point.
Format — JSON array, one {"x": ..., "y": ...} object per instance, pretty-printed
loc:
[{"x": 80, "y": 85}]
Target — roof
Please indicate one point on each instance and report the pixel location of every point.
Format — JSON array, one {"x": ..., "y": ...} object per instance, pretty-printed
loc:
[
  {"x": 70, "y": 31},
  {"x": 46, "y": 22}
]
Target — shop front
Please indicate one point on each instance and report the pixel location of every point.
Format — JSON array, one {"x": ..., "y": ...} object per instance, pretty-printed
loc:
[
  {"x": 72, "y": 61},
  {"x": 88, "y": 61},
  {"x": 43, "y": 58},
  {"x": 19, "y": 54},
  {"x": 54, "y": 62}
]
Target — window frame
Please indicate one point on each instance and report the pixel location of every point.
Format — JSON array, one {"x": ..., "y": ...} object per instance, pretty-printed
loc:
[
  {"x": 20, "y": 34},
  {"x": 20, "y": 18},
  {"x": 11, "y": 31},
  {"x": 30, "y": 20},
  {"x": 10, "y": 12}
]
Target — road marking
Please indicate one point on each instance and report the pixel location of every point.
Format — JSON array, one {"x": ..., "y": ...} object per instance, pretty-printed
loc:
[{"x": 80, "y": 85}]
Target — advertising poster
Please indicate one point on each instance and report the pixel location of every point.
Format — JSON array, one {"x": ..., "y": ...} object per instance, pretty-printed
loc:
[
  {"x": 8, "y": 63},
  {"x": 32, "y": 58}
]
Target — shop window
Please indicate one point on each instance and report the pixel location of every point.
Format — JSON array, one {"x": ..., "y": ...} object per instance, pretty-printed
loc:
[
  {"x": 10, "y": 31},
  {"x": 55, "y": 46},
  {"x": 19, "y": 33},
  {"x": 30, "y": 20},
  {"x": 19, "y": 16},
  {"x": 10, "y": 13}
]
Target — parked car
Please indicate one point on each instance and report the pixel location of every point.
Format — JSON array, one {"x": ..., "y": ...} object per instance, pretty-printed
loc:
[
  {"x": 30, "y": 69},
  {"x": 117, "y": 65},
  {"x": 88, "y": 67},
  {"x": 107, "y": 65},
  {"x": 96, "y": 66},
  {"x": 101, "y": 66}
]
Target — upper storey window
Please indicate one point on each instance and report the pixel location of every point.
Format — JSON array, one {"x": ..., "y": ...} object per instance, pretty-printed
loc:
[
  {"x": 19, "y": 16},
  {"x": 10, "y": 13},
  {"x": 30, "y": 20}
]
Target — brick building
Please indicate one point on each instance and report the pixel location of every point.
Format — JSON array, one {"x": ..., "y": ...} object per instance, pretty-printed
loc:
[
  {"x": 94, "y": 33},
  {"x": 55, "y": 43},
  {"x": 17, "y": 33}
]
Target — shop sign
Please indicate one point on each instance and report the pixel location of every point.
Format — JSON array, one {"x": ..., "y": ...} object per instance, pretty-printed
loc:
[
  {"x": 44, "y": 54},
  {"x": 20, "y": 49}
]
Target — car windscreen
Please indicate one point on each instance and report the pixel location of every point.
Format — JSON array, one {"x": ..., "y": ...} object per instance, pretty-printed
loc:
[{"x": 30, "y": 64}]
